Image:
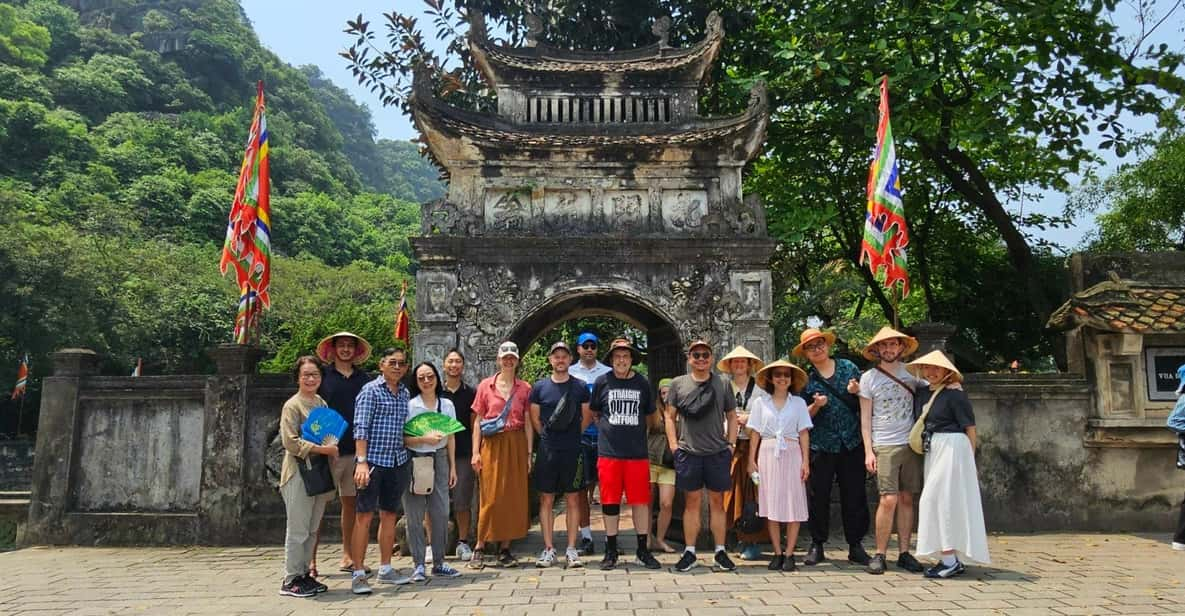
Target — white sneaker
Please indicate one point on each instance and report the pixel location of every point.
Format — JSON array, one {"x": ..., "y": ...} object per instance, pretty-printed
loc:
[
  {"x": 1178, "y": 546},
  {"x": 392, "y": 577},
  {"x": 546, "y": 558},
  {"x": 464, "y": 552},
  {"x": 428, "y": 555},
  {"x": 573, "y": 557}
]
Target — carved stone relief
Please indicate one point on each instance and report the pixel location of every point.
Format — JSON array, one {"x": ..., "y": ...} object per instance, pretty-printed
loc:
[
  {"x": 684, "y": 210},
  {"x": 563, "y": 211},
  {"x": 625, "y": 209},
  {"x": 507, "y": 210},
  {"x": 436, "y": 297}
]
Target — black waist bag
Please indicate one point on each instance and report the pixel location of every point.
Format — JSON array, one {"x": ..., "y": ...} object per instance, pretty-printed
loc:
[
  {"x": 563, "y": 415},
  {"x": 702, "y": 402}
]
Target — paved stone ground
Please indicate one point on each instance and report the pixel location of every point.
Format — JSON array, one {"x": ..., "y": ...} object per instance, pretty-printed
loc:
[{"x": 1032, "y": 574}]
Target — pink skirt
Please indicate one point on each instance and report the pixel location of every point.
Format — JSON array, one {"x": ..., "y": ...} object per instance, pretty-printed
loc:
[{"x": 781, "y": 495}]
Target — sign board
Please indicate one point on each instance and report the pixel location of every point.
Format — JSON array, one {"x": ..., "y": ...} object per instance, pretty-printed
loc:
[{"x": 1160, "y": 366}]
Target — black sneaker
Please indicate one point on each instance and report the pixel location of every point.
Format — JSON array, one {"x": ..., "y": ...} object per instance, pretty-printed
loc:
[
  {"x": 776, "y": 563},
  {"x": 722, "y": 562},
  {"x": 944, "y": 571},
  {"x": 297, "y": 588},
  {"x": 907, "y": 562},
  {"x": 788, "y": 563},
  {"x": 586, "y": 547},
  {"x": 506, "y": 559},
  {"x": 646, "y": 559},
  {"x": 609, "y": 561},
  {"x": 814, "y": 555},
  {"x": 317, "y": 587},
  {"x": 857, "y": 555},
  {"x": 687, "y": 562},
  {"x": 877, "y": 565}
]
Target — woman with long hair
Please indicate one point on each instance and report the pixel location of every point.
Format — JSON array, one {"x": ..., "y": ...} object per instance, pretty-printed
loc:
[
  {"x": 303, "y": 512},
  {"x": 442, "y": 450},
  {"x": 950, "y": 512},
  {"x": 662, "y": 468},
  {"x": 780, "y": 455},
  {"x": 502, "y": 458}
]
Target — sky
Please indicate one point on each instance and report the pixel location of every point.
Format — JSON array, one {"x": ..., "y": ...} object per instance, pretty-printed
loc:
[{"x": 311, "y": 32}]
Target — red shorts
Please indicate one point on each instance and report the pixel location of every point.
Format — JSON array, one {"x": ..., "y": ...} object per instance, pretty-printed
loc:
[{"x": 631, "y": 476}]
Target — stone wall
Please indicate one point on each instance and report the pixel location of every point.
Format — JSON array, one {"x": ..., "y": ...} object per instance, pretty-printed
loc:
[
  {"x": 1040, "y": 470},
  {"x": 16, "y": 465}
]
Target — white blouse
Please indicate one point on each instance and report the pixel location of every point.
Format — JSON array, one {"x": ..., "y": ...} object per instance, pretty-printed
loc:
[{"x": 782, "y": 424}]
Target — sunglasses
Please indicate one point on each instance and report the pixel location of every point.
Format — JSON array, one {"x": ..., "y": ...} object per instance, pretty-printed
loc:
[
  {"x": 701, "y": 354},
  {"x": 398, "y": 363},
  {"x": 781, "y": 374},
  {"x": 424, "y": 378},
  {"x": 589, "y": 345}
]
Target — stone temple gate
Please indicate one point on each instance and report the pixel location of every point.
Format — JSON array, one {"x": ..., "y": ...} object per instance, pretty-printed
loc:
[{"x": 595, "y": 189}]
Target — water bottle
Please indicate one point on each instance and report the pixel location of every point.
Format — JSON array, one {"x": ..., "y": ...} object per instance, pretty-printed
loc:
[{"x": 756, "y": 477}]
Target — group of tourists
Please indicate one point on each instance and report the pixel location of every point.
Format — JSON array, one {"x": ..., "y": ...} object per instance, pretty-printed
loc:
[{"x": 763, "y": 442}]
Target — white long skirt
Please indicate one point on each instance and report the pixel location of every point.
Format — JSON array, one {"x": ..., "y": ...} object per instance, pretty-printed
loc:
[{"x": 950, "y": 514}]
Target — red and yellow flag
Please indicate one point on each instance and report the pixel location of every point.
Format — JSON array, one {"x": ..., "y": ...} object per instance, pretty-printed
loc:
[
  {"x": 402, "y": 321},
  {"x": 22, "y": 378},
  {"x": 885, "y": 233},
  {"x": 248, "y": 246}
]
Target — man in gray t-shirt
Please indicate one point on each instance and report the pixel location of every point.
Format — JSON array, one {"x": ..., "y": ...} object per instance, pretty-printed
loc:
[
  {"x": 703, "y": 448},
  {"x": 886, "y": 418}
]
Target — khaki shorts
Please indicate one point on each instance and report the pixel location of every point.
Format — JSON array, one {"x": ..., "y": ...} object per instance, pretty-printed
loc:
[
  {"x": 898, "y": 469},
  {"x": 343, "y": 475},
  {"x": 662, "y": 475}
]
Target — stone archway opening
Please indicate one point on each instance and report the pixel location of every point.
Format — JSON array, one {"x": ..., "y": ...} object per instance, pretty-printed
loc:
[{"x": 663, "y": 346}]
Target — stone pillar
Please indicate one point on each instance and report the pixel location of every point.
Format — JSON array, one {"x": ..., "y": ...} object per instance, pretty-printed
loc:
[
  {"x": 221, "y": 503},
  {"x": 932, "y": 336},
  {"x": 53, "y": 462}
]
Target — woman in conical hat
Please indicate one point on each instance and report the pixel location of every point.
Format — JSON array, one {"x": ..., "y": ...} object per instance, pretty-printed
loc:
[
  {"x": 950, "y": 513},
  {"x": 738, "y": 368},
  {"x": 780, "y": 455}
]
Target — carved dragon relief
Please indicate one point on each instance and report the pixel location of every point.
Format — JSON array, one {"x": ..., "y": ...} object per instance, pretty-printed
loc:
[{"x": 489, "y": 301}]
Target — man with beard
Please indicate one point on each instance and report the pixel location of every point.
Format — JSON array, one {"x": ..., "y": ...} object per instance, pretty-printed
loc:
[{"x": 886, "y": 418}]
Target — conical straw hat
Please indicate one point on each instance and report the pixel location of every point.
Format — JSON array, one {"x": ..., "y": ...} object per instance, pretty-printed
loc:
[
  {"x": 798, "y": 376},
  {"x": 740, "y": 352},
  {"x": 935, "y": 358},
  {"x": 888, "y": 333},
  {"x": 326, "y": 353}
]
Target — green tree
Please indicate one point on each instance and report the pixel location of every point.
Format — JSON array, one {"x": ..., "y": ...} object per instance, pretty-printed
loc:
[{"x": 22, "y": 42}]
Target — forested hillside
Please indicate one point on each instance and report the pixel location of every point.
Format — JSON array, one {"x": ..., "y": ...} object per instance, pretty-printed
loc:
[{"x": 122, "y": 125}]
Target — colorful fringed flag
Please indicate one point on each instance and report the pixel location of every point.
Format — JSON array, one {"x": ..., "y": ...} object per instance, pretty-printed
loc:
[
  {"x": 402, "y": 322},
  {"x": 22, "y": 379},
  {"x": 248, "y": 231},
  {"x": 885, "y": 233}
]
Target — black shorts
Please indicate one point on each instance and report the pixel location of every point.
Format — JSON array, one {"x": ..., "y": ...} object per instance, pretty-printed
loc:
[
  {"x": 588, "y": 451},
  {"x": 385, "y": 490},
  {"x": 558, "y": 472},
  {"x": 693, "y": 472}
]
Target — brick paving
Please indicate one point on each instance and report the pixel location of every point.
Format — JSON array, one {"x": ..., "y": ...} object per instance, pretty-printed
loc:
[{"x": 1058, "y": 574}]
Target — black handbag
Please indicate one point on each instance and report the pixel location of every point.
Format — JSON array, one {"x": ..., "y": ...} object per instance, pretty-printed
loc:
[
  {"x": 316, "y": 474},
  {"x": 749, "y": 522}
]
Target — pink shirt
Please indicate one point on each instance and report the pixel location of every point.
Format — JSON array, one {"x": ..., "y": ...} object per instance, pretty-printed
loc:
[{"x": 488, "y": 402}]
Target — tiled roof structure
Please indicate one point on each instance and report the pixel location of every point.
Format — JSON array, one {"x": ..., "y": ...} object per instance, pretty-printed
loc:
[{"x": 1124, "y": 306}]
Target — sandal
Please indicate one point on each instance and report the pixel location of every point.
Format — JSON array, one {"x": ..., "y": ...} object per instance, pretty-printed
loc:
[{"x": 478, "y": 559}]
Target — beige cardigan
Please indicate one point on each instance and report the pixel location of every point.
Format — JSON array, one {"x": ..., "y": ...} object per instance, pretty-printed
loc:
[{"x": 295, "y": 411}]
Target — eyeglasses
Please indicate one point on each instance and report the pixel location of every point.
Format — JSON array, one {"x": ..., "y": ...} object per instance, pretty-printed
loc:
[
  {"x": 313, "y": 375},
  {"x": 426, "y": 378},
  {"x": 701, "y": 354},
  {"x": 815, "y": 346},
  {"x": 589, "y": 345},
  {"x": 781, "y": 374},
  {"x": 398, "y": 363}
]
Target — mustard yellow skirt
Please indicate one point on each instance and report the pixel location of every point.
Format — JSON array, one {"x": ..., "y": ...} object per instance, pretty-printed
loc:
[{"x": 503, "y": 514}]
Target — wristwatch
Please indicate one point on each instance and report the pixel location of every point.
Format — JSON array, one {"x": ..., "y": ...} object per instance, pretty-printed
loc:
[{"x": 360, "y": 460}]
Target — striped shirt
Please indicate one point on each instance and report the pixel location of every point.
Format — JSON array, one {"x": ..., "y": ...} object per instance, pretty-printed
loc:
[{"x": 379, "y": 416}]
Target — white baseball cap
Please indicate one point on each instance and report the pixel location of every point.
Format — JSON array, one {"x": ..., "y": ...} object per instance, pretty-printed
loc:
[{"x": 507, "y": 348}]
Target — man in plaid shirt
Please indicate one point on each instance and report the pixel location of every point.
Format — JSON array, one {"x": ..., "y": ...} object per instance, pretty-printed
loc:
[{"x": 382, "y": 471}]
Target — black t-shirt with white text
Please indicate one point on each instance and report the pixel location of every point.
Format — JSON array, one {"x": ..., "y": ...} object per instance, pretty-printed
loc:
[{"x": 621, "y": 406}]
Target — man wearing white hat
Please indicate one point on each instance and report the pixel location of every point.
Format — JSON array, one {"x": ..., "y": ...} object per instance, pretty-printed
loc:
[
  {"x": 341, "y": 381},
  {"x": 886, "y": 417}
]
